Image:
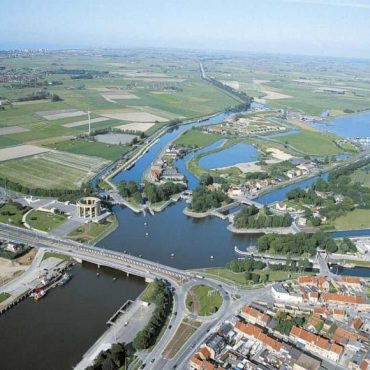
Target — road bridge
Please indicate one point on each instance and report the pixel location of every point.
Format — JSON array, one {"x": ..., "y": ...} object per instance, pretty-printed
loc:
[{"x": 100, "y": 256}]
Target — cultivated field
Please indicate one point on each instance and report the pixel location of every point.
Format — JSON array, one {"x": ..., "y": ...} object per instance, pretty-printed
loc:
[
  {"x": 132, "y": 115},
  {"x": 61, "y": 113},
  {"x": 20, "y": 151},
  {"x": 85, "y": 122},
  {"x": 137, "y": 126},
  {"x": 52, "y": 170},
  {"x": 12, "y": 130}
]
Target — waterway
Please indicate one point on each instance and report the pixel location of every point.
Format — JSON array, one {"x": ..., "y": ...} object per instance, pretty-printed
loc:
[{"x": 54, "y": 333}]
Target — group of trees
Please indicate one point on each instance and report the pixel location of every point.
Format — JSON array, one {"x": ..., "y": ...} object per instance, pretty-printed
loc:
[
  {"x": 251, "y": 217},
  {"x": 296, "y": 244},
  {"x": 113, "y": 358},
  {"x": 39, "y": 95},
  {"x": 204, "y": 199},
  {"x": 129, "y": 189},
  {"x": 159, "y": 193},
  {"x": 162, "y": 298},
  {"x": 285, "y": 322}
]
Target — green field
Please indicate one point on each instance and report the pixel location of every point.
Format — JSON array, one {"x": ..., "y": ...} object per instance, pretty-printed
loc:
[
  {"x": 44, "y": 221},
  {"x": 203, "y": 300},
  {"x": 356, "y": 219},
  {"x": 92, "y": 148},
  {"x": 197, "y": 138},
  {"x": 11, "y": 214},
  {"x": 310, "y": 142},
  {"x": 51, "y": 170},
  {"x": 362, "y": 176}
]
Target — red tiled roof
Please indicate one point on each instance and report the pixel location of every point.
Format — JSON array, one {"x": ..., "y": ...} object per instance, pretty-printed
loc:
[
  {"x": 342, "y": 298},
  {"x": 315, "y": 339}
]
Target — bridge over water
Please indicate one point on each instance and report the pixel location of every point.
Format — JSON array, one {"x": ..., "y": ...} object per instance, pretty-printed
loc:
[{"x": 100, "y": 256}]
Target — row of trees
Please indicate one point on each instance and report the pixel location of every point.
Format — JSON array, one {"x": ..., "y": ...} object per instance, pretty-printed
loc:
[
  {"x": 62, "y": 194},
  {"x": 251, "y": 217},
  {"x": 204, "y": 199},
  {"x": 162, "y": 298},
  {"x": 296, "y": 244},
  {"x": 113, "y": 358},
  {"x": 246, "y": 264}
]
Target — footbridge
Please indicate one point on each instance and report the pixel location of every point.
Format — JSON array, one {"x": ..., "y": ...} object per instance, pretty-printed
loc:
[{"x": 102, "y": 257}]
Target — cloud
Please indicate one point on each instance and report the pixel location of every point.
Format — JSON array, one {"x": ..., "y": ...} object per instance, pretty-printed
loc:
[{"x": 337, "y": 3}]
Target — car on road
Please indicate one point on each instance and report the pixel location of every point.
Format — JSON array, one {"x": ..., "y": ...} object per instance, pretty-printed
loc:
[
  {"x": 153, "y": 359},
  {"x": 169, "y": 326},
  {"x": 142, "y": 366},
  {"x": 175, "y": 313}
]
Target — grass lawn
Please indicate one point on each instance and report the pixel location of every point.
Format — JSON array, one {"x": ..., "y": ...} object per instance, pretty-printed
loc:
[
  {"x": 183, "y": 333},
  {"x": 10, "y": 214},
  {"x": 148, "y": 294},
  {"x": 197, "y": 138},
  {"x": 55, "y": 255},
  {"x": 4, "y": 296},
  {"x": 44, "y": 221},
  {"x": 229, "y": 276},
  {"x": 356, "y": 219},
  {"x": 93, "y": 231},
  {"x": 92, "y": 148},
  {"x": 368, "y": 292},
  {"x": 203, "y": 300},
  {"x": 310, "y": 142}
]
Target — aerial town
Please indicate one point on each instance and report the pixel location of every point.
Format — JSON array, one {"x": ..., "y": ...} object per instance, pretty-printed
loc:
[{"x": 185, "y": 185}]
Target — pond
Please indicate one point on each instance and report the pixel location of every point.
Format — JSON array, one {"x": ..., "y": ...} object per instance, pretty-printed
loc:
[
  {"x": 353, "y": 125},
  {"x": 238, "y": 153}
]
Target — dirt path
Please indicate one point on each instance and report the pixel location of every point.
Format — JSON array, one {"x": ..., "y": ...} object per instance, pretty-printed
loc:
[{"x": 195, "y": 305}]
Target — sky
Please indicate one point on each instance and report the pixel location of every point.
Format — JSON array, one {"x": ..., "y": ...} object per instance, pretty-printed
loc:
[{"x": 308, "y": 27}]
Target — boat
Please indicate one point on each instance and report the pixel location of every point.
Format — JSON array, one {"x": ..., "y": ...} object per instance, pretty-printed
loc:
[
  {"x": 65, "y": 278},
  {"x": 39, "y": 295}
]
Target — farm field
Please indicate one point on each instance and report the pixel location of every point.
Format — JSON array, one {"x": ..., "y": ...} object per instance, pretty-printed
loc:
[
  {"x": 196, "y": 138},
  {"x": 92, "y": 148},
  {"x": 53, "y": 170},
  {"x": 310, "y": 142}
]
